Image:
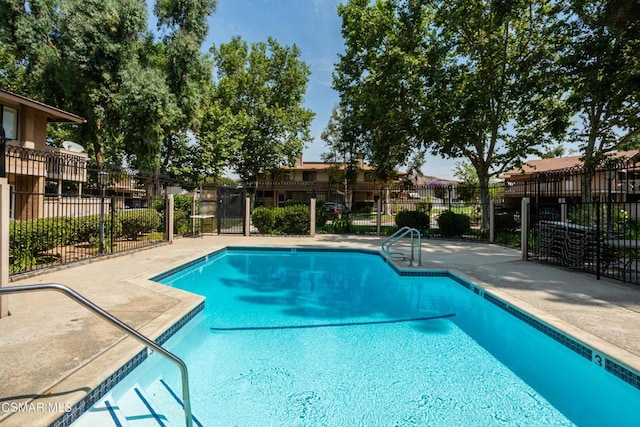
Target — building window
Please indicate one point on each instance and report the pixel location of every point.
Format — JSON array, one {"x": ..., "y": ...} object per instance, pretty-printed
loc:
[
  {"x": 9, "y": 121},
  {"x": 308, "y": 175}
]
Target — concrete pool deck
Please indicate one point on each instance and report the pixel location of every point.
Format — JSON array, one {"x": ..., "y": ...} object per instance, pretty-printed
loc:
[{"x": 55, "y": 351}]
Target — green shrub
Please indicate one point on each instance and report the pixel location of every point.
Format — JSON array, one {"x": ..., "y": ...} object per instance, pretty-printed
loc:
[
  {"x": 425, "y": 205},
  {"x": 509, "y": 239},
  {"x": 181, "y": 222},
  {"x": 293, "y": 219},
  {"x": 412, "y": 219},
  {"x": 263, "y": 218},
  {"x": 39, "y": 235},
  {"x": 452, "y": 224},
  {"x": 321, "y": 216},
  {"x": 506, "y": 223},
  {"x": 182, "y": 204},
  {"x": 87, "y": 228},
  {"x": 362, "y": 207},
  {"x": 138, "y": 222},
  {"x": 293, "y": 202},
  {"x": 342, "y": 224}
]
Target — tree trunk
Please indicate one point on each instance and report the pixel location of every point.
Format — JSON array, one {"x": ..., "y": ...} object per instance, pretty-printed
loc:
[
  {"x": 483, "y": 181},
  {"x": 97, "y": 147}
]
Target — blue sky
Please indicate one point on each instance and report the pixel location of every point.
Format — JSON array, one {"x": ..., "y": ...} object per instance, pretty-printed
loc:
[{"x": 314, "y": 26}]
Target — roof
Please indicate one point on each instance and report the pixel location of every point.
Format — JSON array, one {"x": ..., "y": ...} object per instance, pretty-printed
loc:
[
  {"x": 531, "y": 167},
  {"x": 428, "y": 181},
  {"x": 53, "y": 114},
  {"x": 314, "y": 166}
]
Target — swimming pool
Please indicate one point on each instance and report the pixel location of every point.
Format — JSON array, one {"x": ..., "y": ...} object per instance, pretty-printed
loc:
[{"x": 319, "y": 337}]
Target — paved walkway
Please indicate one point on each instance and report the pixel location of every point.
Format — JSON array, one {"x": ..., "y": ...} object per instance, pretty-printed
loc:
[{"x": 55, "y": 351}]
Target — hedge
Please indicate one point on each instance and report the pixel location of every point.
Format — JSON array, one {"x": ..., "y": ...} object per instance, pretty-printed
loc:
[
  {"x": 293, "y": 219},
  {"x": 137, "y": 222},
  {"x": 452, "y": 224},
  {"x": 413, "y": 219}
]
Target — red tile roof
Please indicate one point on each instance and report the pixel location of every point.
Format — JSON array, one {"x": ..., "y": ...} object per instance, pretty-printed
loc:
[
  {"x": 558, "y": 163},
  {"x": 311, "y": 166}
]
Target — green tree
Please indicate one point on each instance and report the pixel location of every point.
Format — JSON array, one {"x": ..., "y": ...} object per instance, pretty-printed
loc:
[
  {"x": 380, "y": 79},
  {"x": 343, "y": 156},
  {"x": 28, "y": 44},
  {"x": 603, "y": 60},
  {"x": 496, "y": 96},
  {"x": 97, "y": 42},
  {"x": 263, "y": 88},
  {"x": 468, "y": 188},
  {"x": 187, "y": 73}
]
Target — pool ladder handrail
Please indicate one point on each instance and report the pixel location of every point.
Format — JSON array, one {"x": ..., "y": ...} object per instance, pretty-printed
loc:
[
  {"x": 395, "y": 237},
  {"x": 121, "y": 325}
]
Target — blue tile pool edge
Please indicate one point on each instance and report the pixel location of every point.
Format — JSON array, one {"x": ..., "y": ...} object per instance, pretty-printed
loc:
[
  {"x": 101, "y": 390},
  {"x": 595, "y": 356},
  {"x": 600, "y": 359}
]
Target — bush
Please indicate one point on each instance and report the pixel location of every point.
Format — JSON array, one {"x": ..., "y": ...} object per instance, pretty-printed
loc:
[
  {"x": 293, "y": 219},
  {"x": 452, "y": 224},
  {"x": 293, "y": 202},
  {"x": 412, "y": 219},
  {"x": 30, "y": 238},
  {"x": 138, "y": 222},
  {"x": 506, "y": 223},
  {"x": 362, "y": 207},
  {"x": 263, "y": 218},
  {"x": 182, "y": 204},
  {"x": 341, "y": 224},
  {"x": 87, "y": 228},
  {"x": 321, "y": 215},
  {"x": 425, "y": 205}
]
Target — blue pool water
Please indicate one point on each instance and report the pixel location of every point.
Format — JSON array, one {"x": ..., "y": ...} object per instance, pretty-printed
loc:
[{"x": 333, "y": 338}]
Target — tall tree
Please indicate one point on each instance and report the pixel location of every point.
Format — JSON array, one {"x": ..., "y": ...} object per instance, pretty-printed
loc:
[
  {"x": 29, "y": 43},
  {"x": 343, "y": 155},
  {"x": 97, "y": 42},
  {"x": 263, "y": 88},
  {"x": 497, "y": 96},
  {"x": 603, "y": 58},
  {"x": 74, "y": 53},
  {"x": 380, "y": 79},
  {"x": 187, "y": 71}
]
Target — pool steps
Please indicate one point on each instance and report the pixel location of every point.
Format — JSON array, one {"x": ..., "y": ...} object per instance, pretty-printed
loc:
[{"x": 153, "y": 406}]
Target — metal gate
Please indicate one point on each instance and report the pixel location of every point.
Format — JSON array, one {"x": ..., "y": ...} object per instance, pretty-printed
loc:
[{"x": 231, "y": 210}]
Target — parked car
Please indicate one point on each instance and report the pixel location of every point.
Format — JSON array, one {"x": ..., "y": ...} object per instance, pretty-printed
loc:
[{"x": 334, "y": 209}]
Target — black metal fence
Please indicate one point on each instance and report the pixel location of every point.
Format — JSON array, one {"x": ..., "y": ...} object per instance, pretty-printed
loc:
[
  {"x": 62, "y": 210},
  {"x": 368, "y": 208},
  {"x": 586, "y": 219}
]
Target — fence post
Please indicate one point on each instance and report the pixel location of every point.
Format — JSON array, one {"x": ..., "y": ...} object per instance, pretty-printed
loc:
[
  {"x": 563, "y": 209},
  {"x": 312, "y": 227},
  {"x": 168, "y": 217},
  {"x": 247, "y": 216},
  {"x": 492, "y": 221},
  {"x": 379, "y": 216},
  {"x": 4, "y": 243},
  {"x": 524, "y": 228},
  {"x": 193, "y": 214}
]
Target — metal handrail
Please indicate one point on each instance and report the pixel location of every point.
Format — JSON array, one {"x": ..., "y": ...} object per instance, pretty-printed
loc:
[
  {"x": 118, "y": 323},
  {"x": 395, "y": 237}
]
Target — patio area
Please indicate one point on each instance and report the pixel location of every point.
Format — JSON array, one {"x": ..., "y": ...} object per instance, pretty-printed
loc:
[{"x": 55, "y": 351}]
